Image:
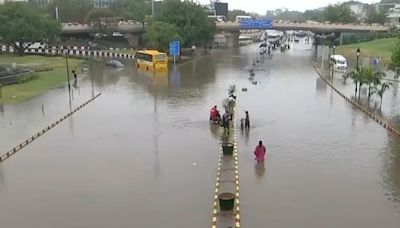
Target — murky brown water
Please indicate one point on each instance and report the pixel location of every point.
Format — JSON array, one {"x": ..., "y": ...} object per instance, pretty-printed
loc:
[{"x": 144, "y": 155}]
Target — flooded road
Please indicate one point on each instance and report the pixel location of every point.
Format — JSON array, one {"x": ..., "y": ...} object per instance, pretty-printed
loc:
[{"x": 144, "y": 155}]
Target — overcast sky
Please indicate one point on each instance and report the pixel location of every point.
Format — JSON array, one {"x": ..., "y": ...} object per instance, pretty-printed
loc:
[{"x": 261, "y": 6}]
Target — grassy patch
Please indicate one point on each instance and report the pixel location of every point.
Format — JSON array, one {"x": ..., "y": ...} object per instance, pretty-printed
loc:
[
  {"x": 380, "y": 48},
  {"x": 46, "y": 80}
]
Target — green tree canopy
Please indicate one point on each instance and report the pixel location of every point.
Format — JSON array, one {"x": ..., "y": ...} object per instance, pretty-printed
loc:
[
  {"x": 20, "y": 26},
  {"x": 232, "y": 14},
  {"x": 133, "y": 10},
  {"x": 373, "y": 16},
  {"x": 395, "y": 59},
  {"x": 70, "y": 10},
  {"x": 101, "y": 17},
  {"x": 339, "y": 13},
  {"x": 159, "y": 34},
  {"x": 194, "y": 26}
]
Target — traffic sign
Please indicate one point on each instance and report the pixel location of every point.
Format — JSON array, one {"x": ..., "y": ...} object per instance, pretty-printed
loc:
[
  {"x": 256, "y": 24},
  {"x": 174, "y": 48}
]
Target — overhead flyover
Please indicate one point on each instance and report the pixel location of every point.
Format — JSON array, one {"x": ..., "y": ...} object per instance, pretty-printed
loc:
[
  {"x": 138, "y": 28},
  {"x": 317, "y": 27}
]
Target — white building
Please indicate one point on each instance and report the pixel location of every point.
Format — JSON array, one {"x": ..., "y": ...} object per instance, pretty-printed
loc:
[
  {"x": 394, "y": 15},
  {"x": 102, "y": 3},
  {"x": 359, "y": 9}
]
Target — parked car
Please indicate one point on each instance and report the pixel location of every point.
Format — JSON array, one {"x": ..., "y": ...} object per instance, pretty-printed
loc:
[
  {"x": 339, "y": 62},
  {"x": 114, "y": 64}
]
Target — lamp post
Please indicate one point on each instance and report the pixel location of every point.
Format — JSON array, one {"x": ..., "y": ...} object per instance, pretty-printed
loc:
[
  {"x": 358, "y": 57},
  {"x": 152, "y": 9},
  {"x": 67, "y": 65},
  {"x": 333, "y": 53}
]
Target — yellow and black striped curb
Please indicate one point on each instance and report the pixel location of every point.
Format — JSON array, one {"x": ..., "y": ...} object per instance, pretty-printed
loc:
[
  {"x": 14, "y": 150},
  {"x": 236, "y": 181},
  {"x": 377, "y": 119}
]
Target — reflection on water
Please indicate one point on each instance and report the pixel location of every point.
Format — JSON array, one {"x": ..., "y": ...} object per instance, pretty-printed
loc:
[
  {"x": 391, "y": 175},
  {"x": 259, "y": 169},
  {"x": 321, "y": 85}
]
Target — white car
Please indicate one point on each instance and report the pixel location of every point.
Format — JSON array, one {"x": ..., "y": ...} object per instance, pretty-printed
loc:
[{"x": 339, "y": 62}]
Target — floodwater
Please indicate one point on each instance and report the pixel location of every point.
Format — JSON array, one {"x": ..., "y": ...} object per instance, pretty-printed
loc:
[{"x": 144, "y": 155}]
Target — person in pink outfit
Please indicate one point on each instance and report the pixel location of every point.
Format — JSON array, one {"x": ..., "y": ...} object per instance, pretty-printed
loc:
[{"x": 260, "y": 152}]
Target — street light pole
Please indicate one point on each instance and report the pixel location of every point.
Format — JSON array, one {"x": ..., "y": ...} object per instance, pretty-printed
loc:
[
  {"x": 358, "y": 57},
  {"x": 152, "y": 9},
  {"x": 333, "y": 53},
  {"x": 66, "y": 62}
]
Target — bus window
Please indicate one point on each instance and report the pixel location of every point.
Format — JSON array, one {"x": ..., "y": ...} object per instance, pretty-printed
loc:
[{"x": 160, "y": 57}]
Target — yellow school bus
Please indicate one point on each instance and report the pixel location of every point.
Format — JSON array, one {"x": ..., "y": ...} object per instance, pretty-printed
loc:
[{"x": 151, "y": 60}]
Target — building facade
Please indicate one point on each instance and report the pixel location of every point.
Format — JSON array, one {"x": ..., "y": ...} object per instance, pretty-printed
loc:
[
  {"x": 102, "y": 3},
  {"x": 394, "y": 15}
]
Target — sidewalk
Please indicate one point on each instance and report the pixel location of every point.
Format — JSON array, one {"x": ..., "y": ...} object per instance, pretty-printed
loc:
[{"x": 390, "y": 109}]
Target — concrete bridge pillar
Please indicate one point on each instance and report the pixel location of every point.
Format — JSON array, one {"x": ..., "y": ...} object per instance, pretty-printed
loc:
[
  {"x": 341, "y": 39},
  {"x": 133, "y": 39},
  {"x": 232, "y": 39}
]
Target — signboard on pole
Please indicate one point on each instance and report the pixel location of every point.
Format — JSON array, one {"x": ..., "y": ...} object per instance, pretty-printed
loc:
[
  {"x": 174, "y": 49},
  {"x": 256, "y": 24}
]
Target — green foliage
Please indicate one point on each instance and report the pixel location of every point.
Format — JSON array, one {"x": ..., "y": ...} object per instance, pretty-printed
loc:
[
  {"x": 314, "y": 15},
  {"x": 373, "y": 16},
  {"x": 70, "y": 10},
  {"x": 232, "y": 14},
  {"x": 380, "y": 90},
  {"x": 159, "y": 34},
  {"x": 26, "y": 77},
  {"x": 21, "y": 25},
  {"x": 101, "y": 17},
  {"x": 339, "y": 13},
  {"x": 194, "y": 26},
  {"x": 395, "y": 59},
  {"x": 132, "y": 10}
]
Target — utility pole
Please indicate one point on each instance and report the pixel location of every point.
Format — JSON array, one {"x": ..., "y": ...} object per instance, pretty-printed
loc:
[{"x": 152, "y": 9}]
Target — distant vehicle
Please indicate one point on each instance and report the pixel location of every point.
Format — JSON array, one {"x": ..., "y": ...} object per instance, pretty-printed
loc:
[
  {"x": 339, "y": 62},
  {"x": 241, "y": 18},
  {"x": 99, "y": 35},
  {"x": 218, "y": 18},
  {"x": 118, "y": 34},
  {"x": 243, "y": 40},
  {"x": 151, "y": 60},
  {"x": 273, "y": 36},
  {"x": 262, "y": 49},
  {"x": 115, "y": 64}
]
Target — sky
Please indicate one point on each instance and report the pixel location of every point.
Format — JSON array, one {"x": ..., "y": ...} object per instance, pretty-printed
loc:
[{"x": 261, "y": 6}]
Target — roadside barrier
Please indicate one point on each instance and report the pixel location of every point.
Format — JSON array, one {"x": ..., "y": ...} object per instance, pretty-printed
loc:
[
  {"x": 58, "y": 51},
  {"x": 17, "y": 148},
  {"x": 377, "y": 119}
]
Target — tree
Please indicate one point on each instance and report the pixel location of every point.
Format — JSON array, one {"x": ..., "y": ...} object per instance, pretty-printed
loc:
[
  {"x": 339, "y": 13},
  {"x": 20, "y": 26},
  {"x": 101, "y": 17},
  {"x": 194, "y": 26},
  {"x": 371, "y": 78},
  {"x": 355, "y": 74},
  {"x": 70, "y": 10},
  {"x": 314, "y": 15},
  {"x": 395, "y": 59},
  {"x": 373, "y": 16},
  {"x": 232, "y": 14},
  {"x": 380, "y": 90},
  {"x": 133, "y": 10},
  {"x": 159, "y": 34}
]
